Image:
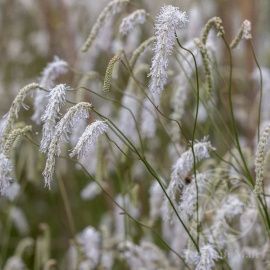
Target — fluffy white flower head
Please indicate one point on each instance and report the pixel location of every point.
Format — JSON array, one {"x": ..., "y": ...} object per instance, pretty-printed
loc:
[
  {"x": 62, "y": 131},
  {"x": 129, "y": 22},
  {"x": 89, "y": 138},
  {"x": 184, "y": 164},
  {"x": 90, "y": 191},
  {"x": 207, "y": 258},
  {"x": 57, "y": 98},
  {"x": 90, "y": 239},
  {"x": 53, "y": 70},
  {"x": 231, "y": 207},
  {"x": 12, "y": 191},
  {"x": 169, "y": 20},
  {"x": 148, "y": 122},
  {"x": 203, "y": 261}
]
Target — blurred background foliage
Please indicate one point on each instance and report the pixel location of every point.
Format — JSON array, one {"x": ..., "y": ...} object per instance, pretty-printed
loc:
[{"x": 32, "y": 33}]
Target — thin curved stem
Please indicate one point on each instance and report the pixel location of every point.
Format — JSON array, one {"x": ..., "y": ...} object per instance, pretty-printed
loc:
[
  {"x": 261, "y": 87},
  {"x": 154, "y": 174},
  {"x": 194, "y": 133},
  {"x": 266, "y": 215}
]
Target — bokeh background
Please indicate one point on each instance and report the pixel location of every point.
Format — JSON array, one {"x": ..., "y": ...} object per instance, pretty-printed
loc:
[{"x": 32, "y": 32}]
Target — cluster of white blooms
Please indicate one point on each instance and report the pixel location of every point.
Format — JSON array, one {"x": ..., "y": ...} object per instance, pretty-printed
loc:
[
  {"x": 6, "y": 174},
  {"x": 168, "y": 21},
  {"x": 144, "y": 256},
  {"x": 203, "y": 261},
  {"x": 53, "y": 70},
  {"x": 65, "y": 126},
  {"x": 182, "y": 169},
  {"x": 57, "y": 98},
  {"x": 230, "y": 207},
  {"x": 207, "y": 258},
  {"x": 62, "y": 130},
  {"x": 189, "y": 196},
  {"x": 129, "y": 22},
  {"x": 184, "y": 165},
  {"x": 90, "y": 240},
  {"x": 89, "y": 138}
]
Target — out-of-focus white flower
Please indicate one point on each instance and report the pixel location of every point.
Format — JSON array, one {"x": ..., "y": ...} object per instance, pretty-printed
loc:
[
  {"x": 127, "y": 122},
  {"x": 119, "y": 218},
  {"x": 231, "y": 207},
  {"x": 148, "y": 120},
  {"x": 129, "y": 22},
  {"x": 205, "y": 260},
  {"x": 14, "y": 263},
  {"x": 72, "y": 258},
  {"x": 168, "y": 21},
  {"x": 53, "y": 70},
  {"x": 12, "y": 191},
  {"x": 184, "y": 165},
  {"x": 196, "y": 22},
  {"x": 3, "y": 124},
  {"x": 90, "y": 239},
  {"x": 89, "y": 138},
  {"x": 90, "y": 191},
  {"x": 156, "y": 200},
  {"x": 57, "y": 98},
  {"x": 78, "y": 131},
  {"x": 6, "y": 171},
  {"x": 265, "y": 111},
  {"x": 18, "y": 218},
  {"x": 144, "y": 256},
  {"x": 113, "y": 8}
]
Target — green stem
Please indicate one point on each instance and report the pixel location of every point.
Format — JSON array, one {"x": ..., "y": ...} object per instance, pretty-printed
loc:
[
  {"x": 236, "y": 132},
  {"x": 261, "y": 86},
  {"x": 193, "y": 135},
  {"x": 126, "y": 213},
  {"x": 153, "y": 173}
]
